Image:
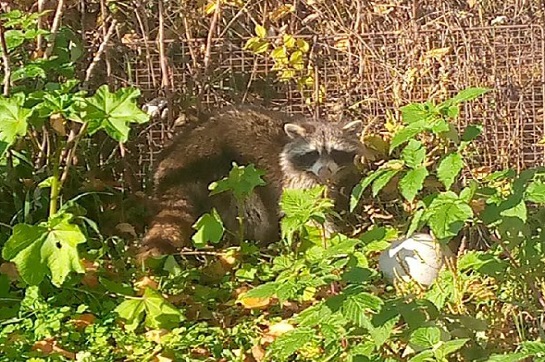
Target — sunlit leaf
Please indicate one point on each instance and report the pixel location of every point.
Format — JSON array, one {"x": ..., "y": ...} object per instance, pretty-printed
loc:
[
  {"x": 412, "y": 182},
  {"x": 449, "y": 168}
]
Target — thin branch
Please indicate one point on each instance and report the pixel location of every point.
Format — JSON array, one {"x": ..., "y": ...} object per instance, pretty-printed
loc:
[
  {"x": 39, "y": 40},
  {"x": 165, "y": 83},
  {"x": 5, "y": 60},
  {"x": 99, "y": 53},
  {"x": 211, "y": 32},
  {"x": 55, "y": 28},
  {"x": 73, "y": 140},
  {"x": 103, "y": 11}
]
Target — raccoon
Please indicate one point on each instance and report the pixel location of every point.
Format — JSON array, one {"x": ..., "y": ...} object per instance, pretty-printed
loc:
[{"x": 294, "y": 152}]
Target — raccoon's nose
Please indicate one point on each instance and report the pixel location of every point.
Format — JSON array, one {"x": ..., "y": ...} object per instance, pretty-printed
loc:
[{"x": 325, "y": 172}]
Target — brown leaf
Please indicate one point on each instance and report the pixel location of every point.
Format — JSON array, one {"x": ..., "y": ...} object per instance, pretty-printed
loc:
[
  {"x": 126, "y": 228},
  {"x": 143, "y": 283},
  {"x": 155, "y": 335},
  {"x": 57, "y": 123},
  {"x": 258, "y": 353},
  {"x": 84, "y": 320},
  {"x": 49, "y": 346},
  {"x": 10, "y": 270}
]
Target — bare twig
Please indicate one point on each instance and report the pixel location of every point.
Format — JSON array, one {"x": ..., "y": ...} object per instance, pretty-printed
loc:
[
  {"x": 72, "y": 145},
  {"x": 5, "y": 60},
  {"x": 39, "y": 40},
  {"x": 55, "y": 28},
  {"x": 98, "y": 55},
  {"x": 211, "y": 32},
  {"x": 165, "y": 83},
  {"x": 103, "y": 10}
]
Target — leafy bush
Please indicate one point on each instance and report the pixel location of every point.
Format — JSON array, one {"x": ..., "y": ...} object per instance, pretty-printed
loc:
[{"x": 68, "y": 293}]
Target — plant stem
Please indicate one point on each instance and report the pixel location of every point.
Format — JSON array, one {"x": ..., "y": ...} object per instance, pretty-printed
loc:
[
  {"x": 55, "y": 185},
  {"x": 5, "y": 60}
]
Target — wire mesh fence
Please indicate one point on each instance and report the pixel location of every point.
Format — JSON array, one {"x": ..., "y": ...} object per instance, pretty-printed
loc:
[{"x": 368, "y": 76}]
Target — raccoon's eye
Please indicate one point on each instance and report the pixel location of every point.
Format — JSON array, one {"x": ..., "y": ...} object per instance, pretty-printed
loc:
[
  {"x": 342, "y": 157},
  {"x": 306, "y": 160}
]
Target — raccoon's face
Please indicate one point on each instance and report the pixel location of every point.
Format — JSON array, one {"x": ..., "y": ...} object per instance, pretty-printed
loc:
[{"x": 321, "y": 149}]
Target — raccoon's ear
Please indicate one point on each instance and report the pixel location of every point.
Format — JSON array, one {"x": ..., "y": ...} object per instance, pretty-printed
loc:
[
  {"x": 294, "y": 130},
  {"x": 353, "y": 127}
]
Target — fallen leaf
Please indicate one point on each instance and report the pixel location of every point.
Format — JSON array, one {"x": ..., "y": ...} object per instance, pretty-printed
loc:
[
  {"x": 143, "y": 283},
  {"x": 258, "y": 353},
  {"x": 280, "y": 328},
  {"x": 126, "y": 228},
  {"x": 84, "y": 320},
  {"x": 10, "y": 270},
  {"x": 49, "y": 346},
  {"x": 254, "y": 303}
]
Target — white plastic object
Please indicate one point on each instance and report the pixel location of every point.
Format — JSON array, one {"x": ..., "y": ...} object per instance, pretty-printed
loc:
[{"x": 419, "y": 258}]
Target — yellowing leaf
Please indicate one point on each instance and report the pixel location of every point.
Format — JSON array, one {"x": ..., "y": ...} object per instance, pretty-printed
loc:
[
  {"x": 289, "y": 41},
  {"x": 254, "y": 303},
  {"x": 281, "y": 11},
  {"x": 342, "y": 44},
  {"x": 260, "y": 31},
  {"x": 437, "y": 53}
]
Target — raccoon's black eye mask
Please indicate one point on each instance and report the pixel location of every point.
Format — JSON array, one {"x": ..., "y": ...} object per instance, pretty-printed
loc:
[{"x": 305, "y": 160}]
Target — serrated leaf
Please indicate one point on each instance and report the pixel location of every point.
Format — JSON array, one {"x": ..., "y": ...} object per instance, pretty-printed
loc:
[
  {"x": 241, "y": 181},
  {"x": 469, "y": 94},
  {"x": 262, "y": 291},
  {"x": 452, "y": 346},
  {"x": 382, "y": 181},
  {"x": 407, "y": 133},
  {"x": 112, "y": 112},
  {"x": 37, "y": 249},
  {"x": 447, "y": 215},
  {"x": 209, "y": 229},
  {"x": 414, "y": 112},
  {"x": 425, "y": 337},
  {"x": 449, "y": 168},
  {"x": 414, "y": 154},
  {"x": 290, "y": 342},
  {"x": 425, "y": 356},
  {"x": 510, "y": 357},
  {"x": 412, "y": 182}
]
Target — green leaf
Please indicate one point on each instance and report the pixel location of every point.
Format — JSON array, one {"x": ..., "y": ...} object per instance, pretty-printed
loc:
[
  {"x": 425, "y": 337},
  {"x": 13, "y": 120},
  {"x": 260, "y": 31},
  {"x": 534, "y": 348},
  {"x": 452, "y": 346},
  {"x": 209, "y": 229},
  {"x": 415, "y": 222},
  {"x": 407, "y": 133},
  {"x": 414, "y": 154},
  {"x": 159, "y": 313},
  {"x": 290, "y": 342},
  {"x": 112, "y": 112},
  {"x": 263, "y": 291},
  {"x": 414, "y": 112},
  {"x": 472, "y": 132},
  {"x": 382, "y": 181},
  {"x": 132, "y": 311},
  {"x": 510, "y": 357},
  {"x": 355, "y": 306},
  {"x": 449, "y": 168},
  {"x": 413, "y": 182},
  {"x": 535, "y": 192},
  {"x": 242, "y": 180},
  {"x": 357, "y": 191},
  {"x": 52, "y": 246},
  {"x": 447, "y": 215},
  {"x": 469, "y": 94},
  {"x": 425, "y": 356}
]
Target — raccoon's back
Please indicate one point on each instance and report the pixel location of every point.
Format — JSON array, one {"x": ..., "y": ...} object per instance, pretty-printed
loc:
[{"x": 205, "y": 151}]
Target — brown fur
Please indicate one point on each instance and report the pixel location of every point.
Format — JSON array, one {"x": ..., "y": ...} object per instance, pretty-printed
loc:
[{"x": 204, "y": 153}]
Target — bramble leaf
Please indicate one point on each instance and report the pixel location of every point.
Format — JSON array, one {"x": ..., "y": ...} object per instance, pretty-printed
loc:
[
  {"x": 412, "y": 182},
  {"x": 209, "y": 229},
  {"x": 449, "y": 168}
]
